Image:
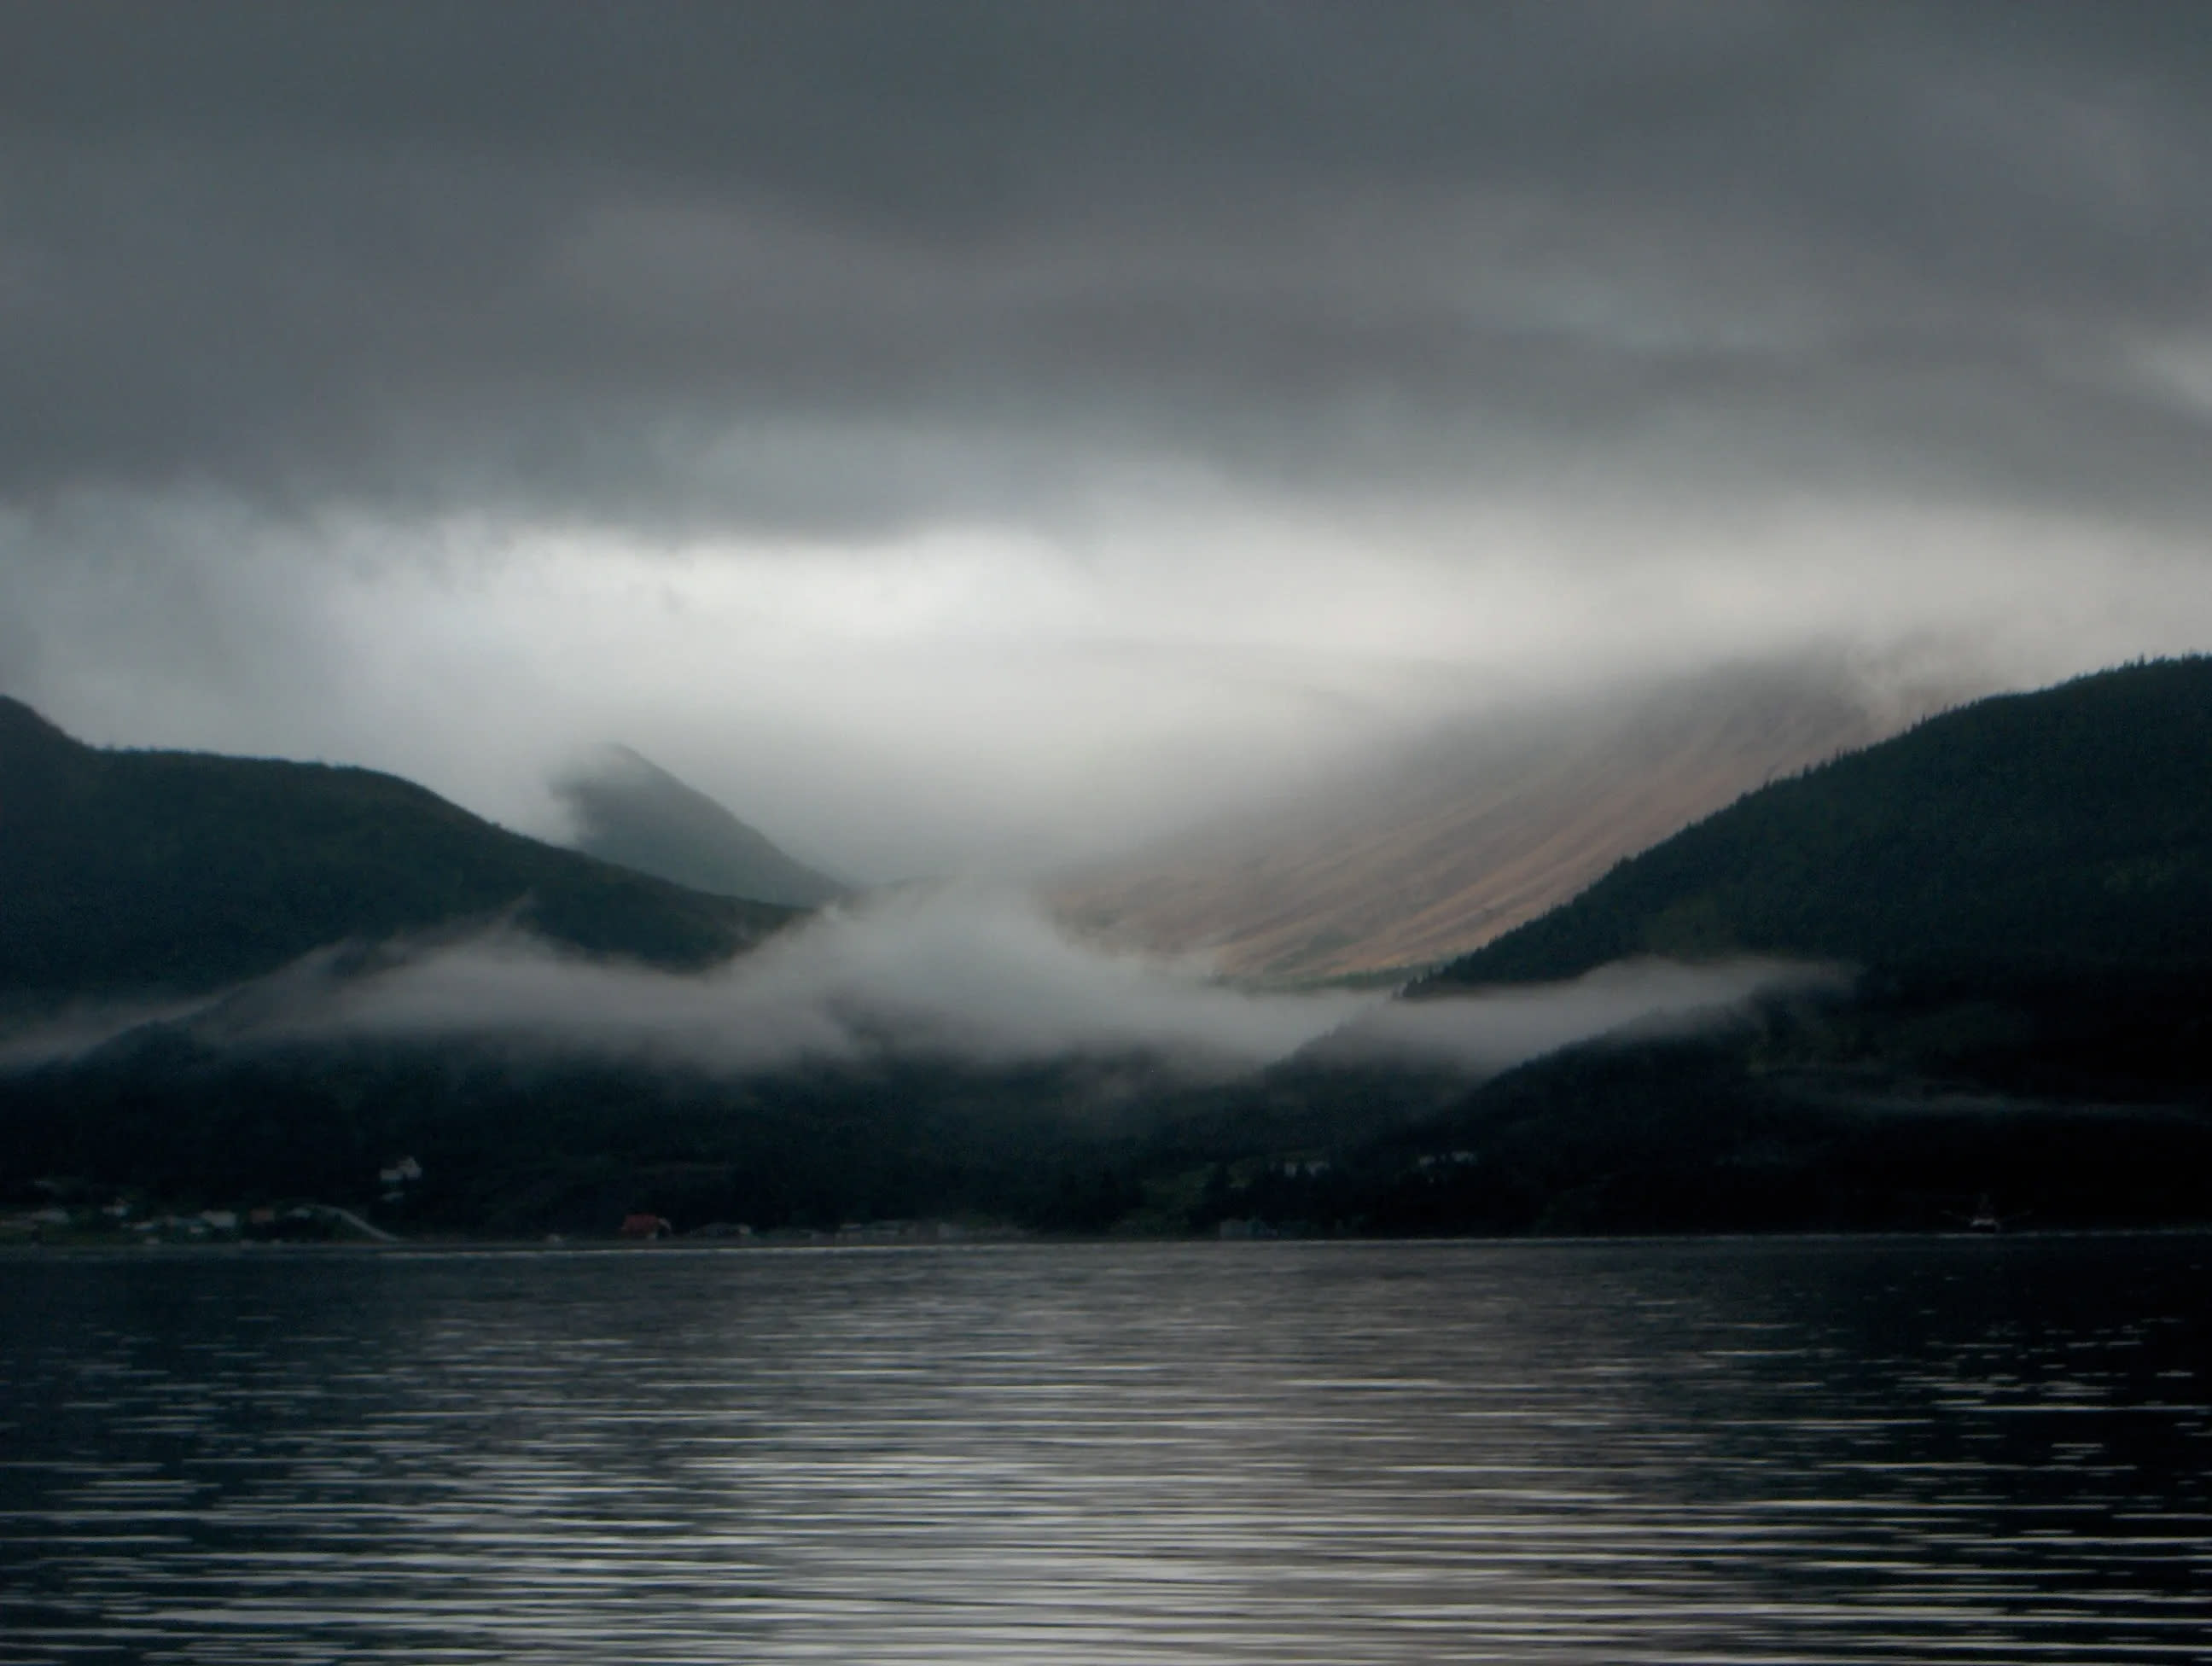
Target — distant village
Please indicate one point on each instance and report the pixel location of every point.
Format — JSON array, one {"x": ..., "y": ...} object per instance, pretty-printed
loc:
[
  {"x": 73, "y": 1214},
  {"x": 71, "y": 1218}
]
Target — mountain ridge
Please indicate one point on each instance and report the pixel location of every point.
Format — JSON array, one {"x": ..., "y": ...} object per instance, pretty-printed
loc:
[
  {"x": 2068, "y": 827},
  {"x": 126, "y": 871},
  {"x": 2062, "y": 1065},
  {"x": 631, "y": 811},
  {"x": 1420, "y": 857}
]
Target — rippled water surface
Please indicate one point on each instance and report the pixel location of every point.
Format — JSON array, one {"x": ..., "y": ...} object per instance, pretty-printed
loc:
[{"x": 1709, "y": 1451}]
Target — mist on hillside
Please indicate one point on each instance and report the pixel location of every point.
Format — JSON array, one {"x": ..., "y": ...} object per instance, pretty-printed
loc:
[
  {"x": 1411, "y": 855},
  {"x": 957, "y": 972},
  {"x": 1496, "y": 1028}
]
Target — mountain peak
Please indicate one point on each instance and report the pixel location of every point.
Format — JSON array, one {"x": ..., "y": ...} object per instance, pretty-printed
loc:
[
  {"x": 135, "y": 871},
  {"x": 630, "y": 811},
  {"x": 23, "y": 727}
]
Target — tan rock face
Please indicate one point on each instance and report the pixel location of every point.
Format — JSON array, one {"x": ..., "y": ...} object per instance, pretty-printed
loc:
[{"x": 1434, "y": 852}]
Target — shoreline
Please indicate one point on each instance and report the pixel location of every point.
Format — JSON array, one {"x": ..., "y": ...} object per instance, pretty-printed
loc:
[{"x": 92, "y": 1249}]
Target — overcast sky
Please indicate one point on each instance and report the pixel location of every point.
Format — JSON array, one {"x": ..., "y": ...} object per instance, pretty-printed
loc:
[{"x": 969, "y": 434}]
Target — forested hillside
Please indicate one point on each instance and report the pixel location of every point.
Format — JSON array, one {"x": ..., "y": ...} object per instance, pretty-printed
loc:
[
  {"x": 2049, "y": 833},
  {"x": 141, "y": 872},
  {"x": 1417, "y": 854},
  {"x": 2021, "y": 884}
]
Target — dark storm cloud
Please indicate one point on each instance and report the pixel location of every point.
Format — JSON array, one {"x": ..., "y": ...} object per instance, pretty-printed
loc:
[{"x": 858, "y": 264}]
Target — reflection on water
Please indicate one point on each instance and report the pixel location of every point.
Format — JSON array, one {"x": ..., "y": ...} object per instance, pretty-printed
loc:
[{"x": 1718, "y": 1451}]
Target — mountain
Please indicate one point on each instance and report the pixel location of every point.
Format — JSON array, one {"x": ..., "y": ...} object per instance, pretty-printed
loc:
[
  {"x": 2025, "y": 887},
  {"x": 144, "y": 871},
  {"x": 630, "y": 811},
  {"x": 1434, "y": 851},
  {"x": 2023, "y": 884},
  {"x": 2064, "y": 832}
]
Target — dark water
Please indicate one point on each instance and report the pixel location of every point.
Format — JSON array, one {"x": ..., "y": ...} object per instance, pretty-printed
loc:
[{"x": 1711, "y": 1451}]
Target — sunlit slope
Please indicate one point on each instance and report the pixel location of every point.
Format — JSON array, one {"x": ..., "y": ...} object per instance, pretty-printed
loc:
[
  {"x": 2061, "y": 832},
  {"x": 1439, "y": 849},
  {"x": 176, "y": 871},
  {"x": 630, "y": 811}
]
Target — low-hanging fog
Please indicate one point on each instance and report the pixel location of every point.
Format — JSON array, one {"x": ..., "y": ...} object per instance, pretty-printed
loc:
[
  {"x": 957, "y": 972},
  {"x": 981, "y": 436}
]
